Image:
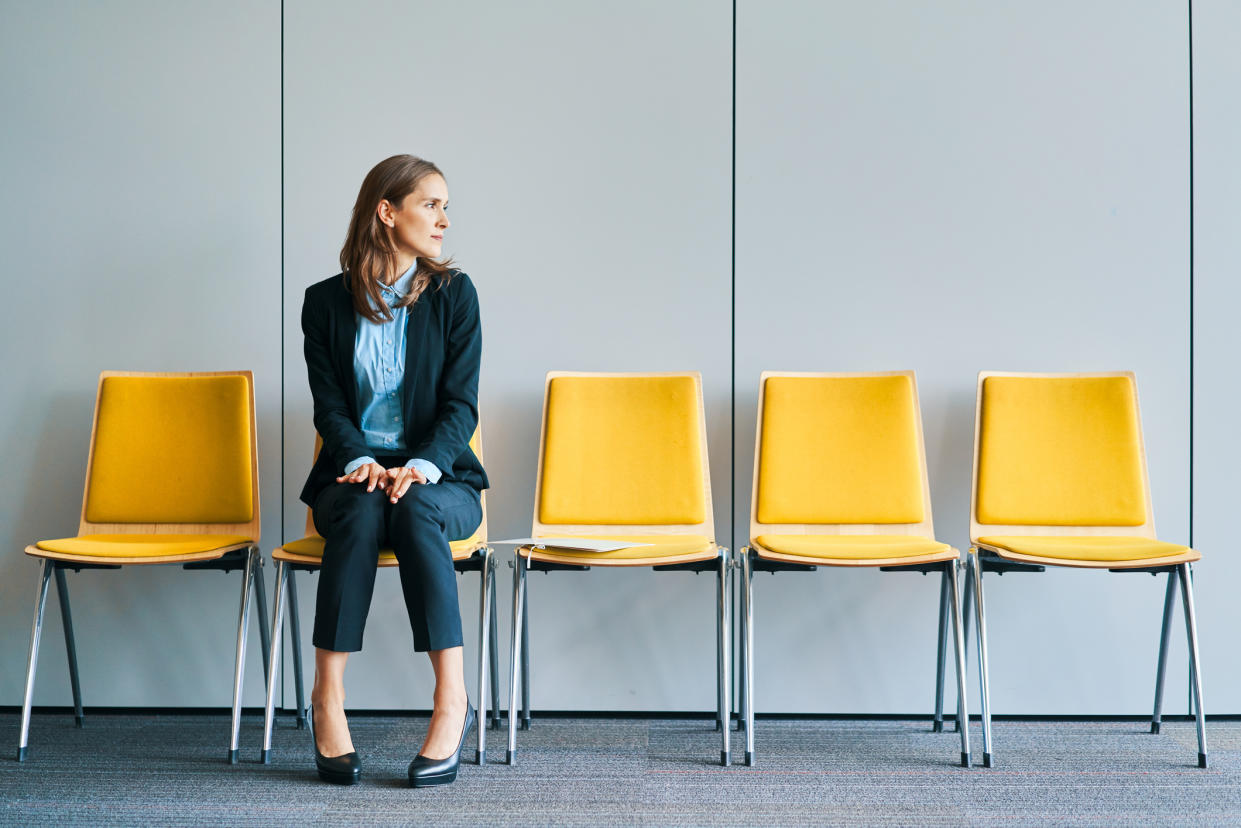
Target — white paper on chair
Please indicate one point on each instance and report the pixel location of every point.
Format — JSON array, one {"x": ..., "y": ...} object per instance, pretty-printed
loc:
[{"x": 575, "y": 544}]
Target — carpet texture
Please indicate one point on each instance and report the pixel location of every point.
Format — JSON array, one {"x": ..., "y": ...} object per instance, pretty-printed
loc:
[{"x": 170, "y": 770}]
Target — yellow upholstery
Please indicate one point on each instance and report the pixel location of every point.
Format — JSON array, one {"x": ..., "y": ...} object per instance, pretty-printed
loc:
[
  {"x": 1089, "y": 548},
  {"x": 311, "y": 546},
  {"x": 171, "y": 450},
  {"x": 623, "y": 450},
  {"x": 839, "y": 450},
  {"x": 1060, "y": 451},
  {"x": 853, "y": 547},
  {"x": 140, "y": 546},
  {"x": 664, "y": 546}
]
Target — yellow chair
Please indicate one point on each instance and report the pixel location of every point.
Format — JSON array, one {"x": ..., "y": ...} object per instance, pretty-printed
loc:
[
  {"x": 172, "y": 477},
  {"x": 840, "y": 480},
  {"x": 1060, "y": 480},
  {"x": 471, "y": 554},
  {"x": 623, "y": 457}
]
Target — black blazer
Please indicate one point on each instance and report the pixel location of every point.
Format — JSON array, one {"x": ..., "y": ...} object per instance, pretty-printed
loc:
[{"x": 440, "y": 393}]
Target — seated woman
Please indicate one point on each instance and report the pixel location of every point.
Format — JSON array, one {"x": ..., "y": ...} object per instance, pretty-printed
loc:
[{"x": 392, "y": 353}]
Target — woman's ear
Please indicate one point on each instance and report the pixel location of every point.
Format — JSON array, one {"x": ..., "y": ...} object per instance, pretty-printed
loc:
[{"x": 385, "y": 211}]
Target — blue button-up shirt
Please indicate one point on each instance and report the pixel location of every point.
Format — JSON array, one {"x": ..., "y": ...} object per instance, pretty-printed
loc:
[{"x": 379, "y": 371}]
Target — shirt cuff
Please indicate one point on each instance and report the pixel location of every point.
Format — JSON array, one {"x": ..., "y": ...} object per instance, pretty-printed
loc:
[
  {"x": 429, "y": 470},
  {"x": 354, "y": 465}
]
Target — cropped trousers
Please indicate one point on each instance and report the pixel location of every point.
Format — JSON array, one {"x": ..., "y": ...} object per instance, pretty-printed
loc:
[{"x": 356, "y": 524}]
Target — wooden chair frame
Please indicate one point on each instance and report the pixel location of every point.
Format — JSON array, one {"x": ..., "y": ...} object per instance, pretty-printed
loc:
[
  {"x": 755, "y": 557},
  {"x": 550, "y": 559},
  {"x": 985, "y": 558},
  {"x": 243, "y": 556},
  {"x": 477, "y": 558}
]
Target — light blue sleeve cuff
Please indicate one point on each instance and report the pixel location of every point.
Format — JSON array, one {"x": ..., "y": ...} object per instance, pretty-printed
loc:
[
  {"x": 354, "y": 465},
  {"x": 429, "y": 470}
]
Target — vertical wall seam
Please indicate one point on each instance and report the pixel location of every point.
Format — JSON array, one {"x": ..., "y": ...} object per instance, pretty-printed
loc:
[
  {"x": 1190, "y": 10},
  {"x": 732, "y": 321}
]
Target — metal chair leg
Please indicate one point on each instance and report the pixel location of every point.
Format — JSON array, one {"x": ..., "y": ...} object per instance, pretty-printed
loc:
[
  {"x": 260, "y": 606},
  {"x": 720, "y": 713},
  {"x": 295, "y": 635},
  {"x": 1169, "y": 597},
  {"x": 525, "y": 662},
  {"x": 740, "y": 659},
  {"x": 951, "y": 573},
  {"x": 724, "y": 675},
  {"x": 277, "y": 627},
  {"x": 1191, "y": 628},
  {"x": 495, "y": 650},
  {"x": 937, "y": 721},
  {"x": 239, "y": 670},
  {"x": 484, "y": 649},
  {"x": 62, "y": 591},
  {"x": 967, "y": 605},
  {"x": 32, "y": 660},
  {"x": 515, "y": 655},
  {"x": 982, "y": 661},
  {"x": 747, "y": 646}
]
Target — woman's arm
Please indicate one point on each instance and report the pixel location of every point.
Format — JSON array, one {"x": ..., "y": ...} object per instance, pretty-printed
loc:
[
  {"x": 457, "y": 413},
  {"x": 341, "y": 437}
]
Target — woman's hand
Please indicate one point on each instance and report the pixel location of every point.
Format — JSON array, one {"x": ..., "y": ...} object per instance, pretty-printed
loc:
[
  {"x": 399, "y": 481},
  {"x": 372, "y": 474}
]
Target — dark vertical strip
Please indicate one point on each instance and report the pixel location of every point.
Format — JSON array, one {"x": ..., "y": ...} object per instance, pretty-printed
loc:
[
  {"x": 282, "y": 272},
  {"x": 281, "y": 644},
  {"x": 732, "y": 326},
  {"x": 1191, "y": 271}
]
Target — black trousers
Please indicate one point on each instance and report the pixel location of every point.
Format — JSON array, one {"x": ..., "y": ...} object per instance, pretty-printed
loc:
[{"x": 356, "y": 524}]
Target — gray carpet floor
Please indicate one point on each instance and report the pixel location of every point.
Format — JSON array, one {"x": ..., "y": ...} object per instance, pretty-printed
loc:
[{"x": 170, "y": 770}]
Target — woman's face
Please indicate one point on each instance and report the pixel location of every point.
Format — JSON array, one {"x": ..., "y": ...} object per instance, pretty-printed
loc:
[{"x": 419, "y": 222}]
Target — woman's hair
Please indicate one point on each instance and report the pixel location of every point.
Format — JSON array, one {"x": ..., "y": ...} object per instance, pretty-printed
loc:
[{"x": 368, "y": 254}]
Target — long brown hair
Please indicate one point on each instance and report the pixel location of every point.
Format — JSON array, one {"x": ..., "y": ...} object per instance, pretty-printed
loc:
[{"x": 369, "y": 254}]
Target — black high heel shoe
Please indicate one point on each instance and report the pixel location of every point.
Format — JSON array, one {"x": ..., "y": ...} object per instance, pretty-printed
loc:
[
  {"x": 424, "y": 772},
  {"x": 342, "y": 770}
]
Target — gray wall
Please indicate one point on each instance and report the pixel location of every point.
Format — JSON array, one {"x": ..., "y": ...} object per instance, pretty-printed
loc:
[{"x": 945, "y": 187}]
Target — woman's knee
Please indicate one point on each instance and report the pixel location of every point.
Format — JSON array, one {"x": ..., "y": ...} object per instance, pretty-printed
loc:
[{"x": 351, "y": 509}]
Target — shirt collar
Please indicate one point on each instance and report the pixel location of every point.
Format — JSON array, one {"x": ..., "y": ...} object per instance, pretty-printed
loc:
[{"x": 399, "y": 289}]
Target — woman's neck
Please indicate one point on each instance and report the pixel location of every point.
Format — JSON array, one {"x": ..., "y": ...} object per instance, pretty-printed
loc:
[{"x": 404, "y": 261}]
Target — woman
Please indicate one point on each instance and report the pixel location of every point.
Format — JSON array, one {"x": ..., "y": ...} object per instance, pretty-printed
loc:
[{"x": 392, "y": 352}]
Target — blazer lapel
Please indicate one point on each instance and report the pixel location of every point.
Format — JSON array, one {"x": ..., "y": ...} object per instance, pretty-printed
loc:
[{"x": 415, "y": 342}]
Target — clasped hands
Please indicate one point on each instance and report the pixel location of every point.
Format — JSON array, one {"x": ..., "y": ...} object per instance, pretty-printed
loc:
[{"x": 394, "y": 482}]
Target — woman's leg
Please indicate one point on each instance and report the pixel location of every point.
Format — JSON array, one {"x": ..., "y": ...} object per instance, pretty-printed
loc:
[
  {"x": 420, "y": 526},
  {"x": 328, "y": 701},
  {"x": 444, "y": 733},
  {"x": 351, "y": 521}
]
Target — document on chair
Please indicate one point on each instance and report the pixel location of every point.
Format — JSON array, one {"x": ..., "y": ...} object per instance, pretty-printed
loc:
[{"x": 573, "y": 544}]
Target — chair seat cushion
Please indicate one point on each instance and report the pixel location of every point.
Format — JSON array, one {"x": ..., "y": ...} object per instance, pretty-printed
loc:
[
  {"x": 141, "y": 546},
  {"x": 854, "y": 547},
  {"x": 312, "y": 547},
  {"x": 1086, "y": 548},
  {"x": 677, "y": 546}
]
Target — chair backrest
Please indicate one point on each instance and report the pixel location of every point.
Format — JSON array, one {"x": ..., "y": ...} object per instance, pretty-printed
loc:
[
  {"x": 623, "y": 454},
  {"x": 839, "y": 453},
  {"x": 1059, "y": 454},
  {"x": 476, "y": 443},
  {"x": 173, "y": 453}
]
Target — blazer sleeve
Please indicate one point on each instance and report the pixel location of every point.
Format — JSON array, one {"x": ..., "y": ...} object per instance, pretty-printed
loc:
[
  {"x": 456, "y": 414},
  {"x": 341, "y": 437}
]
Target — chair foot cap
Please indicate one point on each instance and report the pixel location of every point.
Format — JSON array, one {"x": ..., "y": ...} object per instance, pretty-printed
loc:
[
  {"x": 232, "y": 757},
  {"x": 21, "y": 754},
  {"x": 301, "y": 722},
  {"x": 956, "y": 727},
  {"x": 717, "y": 726},
  {"x": 937, "y": 726},
  {"x": 1202, "y": 760},
  {"x": 1155, "y": 728},
  {"x": 265, "y": 756},
  {"x": 493, "y": 723},
  {"x": 986, "y": 761},
  {"x": 478, "y": 757},
  {"x": 510, "y": 757},
  {"x": 80, "y": 721},
  {"x": 525, "y": 723},
  {"x": 749, "y": 758},
  {"x": 965, "y": 759},
  {"x": 725, "y": 758}
]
